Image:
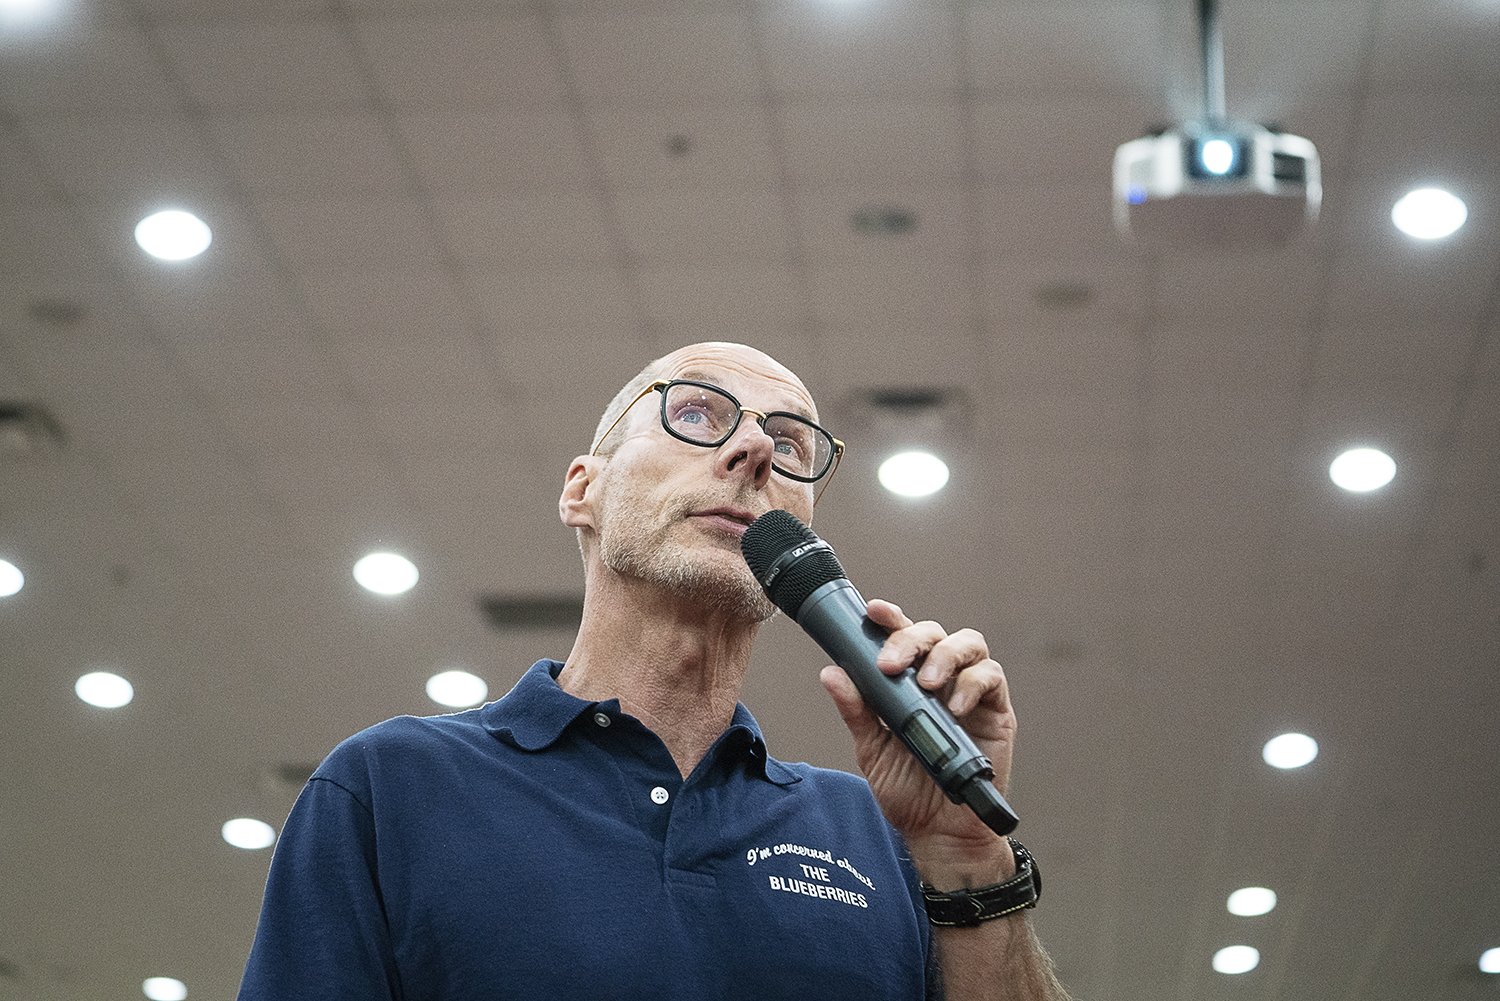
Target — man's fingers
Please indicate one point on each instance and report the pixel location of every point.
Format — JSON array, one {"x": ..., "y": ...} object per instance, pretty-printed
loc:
[{"x": 858, "y": 717}]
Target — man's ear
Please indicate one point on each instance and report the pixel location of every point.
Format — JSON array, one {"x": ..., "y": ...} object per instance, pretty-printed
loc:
[{"x": 576, "y": 505}]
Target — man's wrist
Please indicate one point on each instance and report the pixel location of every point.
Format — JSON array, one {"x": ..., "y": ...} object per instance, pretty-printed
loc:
[{"x": 972, "y": 905}]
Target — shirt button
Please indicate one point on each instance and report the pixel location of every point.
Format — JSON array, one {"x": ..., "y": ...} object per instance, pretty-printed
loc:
[
  {"x": 602, "y": 719},
  {"x": 659, "y": 795}
]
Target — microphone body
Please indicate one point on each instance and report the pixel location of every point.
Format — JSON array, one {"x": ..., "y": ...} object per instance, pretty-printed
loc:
[{"x": 803, "y": 578}]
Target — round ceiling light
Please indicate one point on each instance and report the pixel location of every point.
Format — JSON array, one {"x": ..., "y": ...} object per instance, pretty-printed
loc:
[
  {"x": 1489, "y": 961},
  {"x": 1290, "y": 750},
  {"x": 11, "y": 579},
  {"x": 386, "y": 573},
  {"x": 248, "y": 833},
  {"x": 913, "y": 474},
  {"x": 459, "y": 689},
  {"x": 1361, "y": 470},
  {"x": 1429, "y": 213},
  {"x": 1251, "y": 901},
  {"x": 103, "y": 689},
  {"x": 164, "y": 989},
  {"x": 173, "y": 235},
  {"x": 1236, "y": 959}
]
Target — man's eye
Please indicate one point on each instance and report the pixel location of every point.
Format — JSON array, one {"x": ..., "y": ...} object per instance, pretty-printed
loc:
[{"x": 692, "y": 417}]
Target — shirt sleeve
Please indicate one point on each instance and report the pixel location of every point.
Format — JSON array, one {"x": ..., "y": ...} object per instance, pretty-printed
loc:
[{"x": 323, "y": 931}]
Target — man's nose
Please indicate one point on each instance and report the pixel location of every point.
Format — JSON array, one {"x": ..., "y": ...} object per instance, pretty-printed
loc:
[{"x": 748, "y": 452}]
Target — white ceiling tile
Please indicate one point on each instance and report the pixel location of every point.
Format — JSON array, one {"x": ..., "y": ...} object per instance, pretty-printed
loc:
[
  {"x": 937, "y": 354},
  {"x": 476, "y": 154},
  {"x": 703, "y": 226},
  {"x": 414, "y": 300},
  {"x": 856, "y": 50},
  {"x": 1231, "y": 356},
  {"x": 872, "y": 141},
  {"x": 702, "y": 55},
  {"x": 1051, "y": 139},
  {"x": 309, "y": 153},
  {"x": 1427, "y": 136},
  {"x": 1076, "y": 292},
  {"x": 1047, "y": 220},
  {"x": 907, "y": 295},
  {"x": 483, "y": 63},
  {"x": 1073, "y": 45},
  {"x": 144, "y": 156},
  {"x": 1064, "y": 359},
  {"x": 825, "y": 216},
  {"x": 22, "y": 178},
  {"x": 294, "y": 64},
  {"x": 527, "y": 230},
  {"x": 1396, "y": 357},
  {"x": 88, "y": 69},
  {"x": 1279, "y": 57},
  {"x": 734, "y": 301},
  {"x": 725, "y": 143},
  {"x": 346, "y": 232},
  {"x": 1445, "y": 43},
  {"x": 1263, "y": 288},
  {"x": 568, "y": 301}
]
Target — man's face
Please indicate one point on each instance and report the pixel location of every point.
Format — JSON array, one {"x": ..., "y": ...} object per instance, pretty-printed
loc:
[{"x": 672, "y": 513}]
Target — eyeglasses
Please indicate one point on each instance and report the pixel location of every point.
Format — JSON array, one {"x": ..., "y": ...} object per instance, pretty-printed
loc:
[{"x": 703, "y": 414}]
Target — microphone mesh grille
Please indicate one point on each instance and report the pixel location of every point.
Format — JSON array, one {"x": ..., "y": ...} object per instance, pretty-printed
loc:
[{"x": 773, "y": 534}]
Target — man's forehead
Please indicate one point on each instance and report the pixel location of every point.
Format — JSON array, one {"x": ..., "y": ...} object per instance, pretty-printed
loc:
[{"x": 755, "y": 377}]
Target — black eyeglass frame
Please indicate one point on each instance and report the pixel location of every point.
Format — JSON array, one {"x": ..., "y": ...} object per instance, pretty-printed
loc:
[{"x": 761, "y": 416}]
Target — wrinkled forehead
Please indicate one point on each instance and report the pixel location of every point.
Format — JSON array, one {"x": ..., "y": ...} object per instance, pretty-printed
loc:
[{"x": 755, "y": 378}]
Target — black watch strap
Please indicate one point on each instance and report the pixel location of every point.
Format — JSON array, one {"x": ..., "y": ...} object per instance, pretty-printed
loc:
[{"x": 966, "y": 908}]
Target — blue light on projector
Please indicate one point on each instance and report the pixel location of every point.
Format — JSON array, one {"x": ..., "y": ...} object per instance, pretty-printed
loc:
[{"x": 1135, "y": 194}]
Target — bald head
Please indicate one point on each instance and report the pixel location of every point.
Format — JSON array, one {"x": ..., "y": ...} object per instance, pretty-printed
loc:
[{"x": 696, "y": 361}]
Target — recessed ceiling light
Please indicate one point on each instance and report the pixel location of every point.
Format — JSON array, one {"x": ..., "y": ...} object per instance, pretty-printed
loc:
[
  {"x": 164, "y": 989},
  {"x": 11, "y": 579},
  {"x": 1236, "y": 959},
  {"x": 913, "y": 474},
  {"x": 25, "y": 13},
  {"x": 1429, "y": 213},
  {"x": 1489, "y": 962},
  {"x": 459, "y": 689},
  {"x": 248, "y": 833},
  {"x": 1252, "y": 900},
  {"x": 1290, "y": 750},
  {"x": 884, "y": 220},
  {"x": 173, "y": 235},
  {"x": 1361, "y": 470},
  {"x": 386, "y": 573},
  {"x": 103, "y": 689}
]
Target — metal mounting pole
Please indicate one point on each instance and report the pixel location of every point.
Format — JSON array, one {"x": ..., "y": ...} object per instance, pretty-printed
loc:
[{"x": 1211, "y": 41}]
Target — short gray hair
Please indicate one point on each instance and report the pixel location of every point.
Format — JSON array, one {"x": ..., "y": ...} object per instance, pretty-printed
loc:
[{"x": 623, "y": 399}]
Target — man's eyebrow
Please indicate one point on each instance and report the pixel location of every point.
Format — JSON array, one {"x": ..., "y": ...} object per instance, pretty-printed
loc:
[{"x": 697, "y": 375}]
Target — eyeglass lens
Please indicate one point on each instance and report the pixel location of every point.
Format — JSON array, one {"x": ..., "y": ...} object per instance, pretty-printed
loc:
[{"x": 709, "y": 416}]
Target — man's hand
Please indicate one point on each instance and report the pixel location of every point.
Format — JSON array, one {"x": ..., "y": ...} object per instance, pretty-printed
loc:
[{"x": 950, "y": 845}]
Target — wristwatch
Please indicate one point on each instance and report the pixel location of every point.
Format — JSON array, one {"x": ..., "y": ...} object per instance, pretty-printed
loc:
[{"x": 966, "y": 908}]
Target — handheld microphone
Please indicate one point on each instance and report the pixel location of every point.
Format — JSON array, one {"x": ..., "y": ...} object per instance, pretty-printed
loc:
[{"x": 802, "y": 577}]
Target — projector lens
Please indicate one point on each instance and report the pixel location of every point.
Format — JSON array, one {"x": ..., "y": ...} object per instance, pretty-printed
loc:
[{"x": 1217, "y": 156}]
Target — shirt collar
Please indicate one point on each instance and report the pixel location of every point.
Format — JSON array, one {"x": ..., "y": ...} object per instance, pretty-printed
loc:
[{"x": 533, "y": 715}]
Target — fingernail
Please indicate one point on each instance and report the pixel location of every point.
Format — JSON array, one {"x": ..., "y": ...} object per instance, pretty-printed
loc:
[{"x": 959, "y": 704}]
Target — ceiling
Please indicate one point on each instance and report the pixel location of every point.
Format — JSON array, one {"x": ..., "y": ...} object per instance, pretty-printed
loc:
[{"x": 445, "y": 233}]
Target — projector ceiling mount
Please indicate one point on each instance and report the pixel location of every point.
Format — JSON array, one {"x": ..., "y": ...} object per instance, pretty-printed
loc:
[{"x": 1213, "y": 181}]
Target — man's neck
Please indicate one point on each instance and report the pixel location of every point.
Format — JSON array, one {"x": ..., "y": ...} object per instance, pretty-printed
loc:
[{"x": 676, "y": 669}]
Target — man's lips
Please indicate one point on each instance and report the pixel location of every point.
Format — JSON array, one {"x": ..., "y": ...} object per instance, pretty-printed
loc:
[{"x": 729, "y": 519}]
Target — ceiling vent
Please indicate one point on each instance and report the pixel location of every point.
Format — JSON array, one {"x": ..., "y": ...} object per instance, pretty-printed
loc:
[
  {"x": 28, "y": 431},
  {"x": 513, "y": 612}
]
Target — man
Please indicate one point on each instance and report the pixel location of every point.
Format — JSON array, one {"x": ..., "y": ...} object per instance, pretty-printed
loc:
[{"x": 614, "y": 827}]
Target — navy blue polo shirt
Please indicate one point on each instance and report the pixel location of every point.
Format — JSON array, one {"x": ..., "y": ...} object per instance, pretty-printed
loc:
[{"x": 544, "y": 846}]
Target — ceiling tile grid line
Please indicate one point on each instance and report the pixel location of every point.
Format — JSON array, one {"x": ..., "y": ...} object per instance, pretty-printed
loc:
[
  {"x": 797, "y": 258},
  {"x": 506, "y": 382},
  {"x": 622, "y": 262},
  {"x": 190, "y": 392},
  {"x": 285, "y": 275}
]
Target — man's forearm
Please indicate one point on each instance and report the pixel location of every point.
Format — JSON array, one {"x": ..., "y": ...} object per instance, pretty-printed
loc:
[{"x": 999, "y": 960}]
